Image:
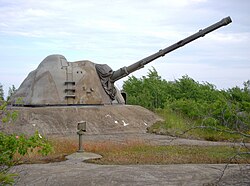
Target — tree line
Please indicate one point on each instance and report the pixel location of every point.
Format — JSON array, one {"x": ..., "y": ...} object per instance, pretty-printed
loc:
[
  {"x": 200, "y": 101},
  {"x": 11, "y": 91}
]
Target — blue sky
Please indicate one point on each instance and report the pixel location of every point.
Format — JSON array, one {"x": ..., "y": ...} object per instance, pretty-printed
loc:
[{"x": 121, "y": 32}]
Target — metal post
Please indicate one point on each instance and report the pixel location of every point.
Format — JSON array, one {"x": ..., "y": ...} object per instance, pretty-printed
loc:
[
  {"x": 81, "y": 126},
  {"x": 80, "y": 143}
]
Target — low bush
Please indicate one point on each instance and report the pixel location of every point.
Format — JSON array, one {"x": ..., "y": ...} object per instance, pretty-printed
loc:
[{"x": 13, "y": 144}]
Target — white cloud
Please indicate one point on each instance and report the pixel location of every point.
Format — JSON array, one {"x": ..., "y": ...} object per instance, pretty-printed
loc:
[
  {"x": 31, "y": 18},
  {"x": 121, "y": 32},
  {"x": 230, "y": 37},
  {"x": 38, "y": 13}
]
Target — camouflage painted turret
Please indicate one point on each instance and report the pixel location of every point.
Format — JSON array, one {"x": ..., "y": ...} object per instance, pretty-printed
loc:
[{"x": 59, "y": 82}]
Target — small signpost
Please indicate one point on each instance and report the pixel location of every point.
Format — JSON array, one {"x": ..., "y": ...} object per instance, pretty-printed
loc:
[{"x": 81, "y": 127}]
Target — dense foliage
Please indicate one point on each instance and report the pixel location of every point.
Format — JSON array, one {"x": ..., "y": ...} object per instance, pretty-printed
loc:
[
  {"x": 12, "y": 144},
  {"x": 200, "y": 101}
]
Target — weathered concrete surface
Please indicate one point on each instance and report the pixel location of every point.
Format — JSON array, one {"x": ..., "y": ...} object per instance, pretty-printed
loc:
[
  {"x": 75, "y": 172},
  {"x": 82, "y": 156},
  {"x": 79, "y": 173},
  {"x": 63, "y": 120},
  {"x": 59, "y": 82}
]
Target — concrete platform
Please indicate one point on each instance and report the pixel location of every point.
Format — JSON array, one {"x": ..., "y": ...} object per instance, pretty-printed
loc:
[{"x": 82, "y": 156}]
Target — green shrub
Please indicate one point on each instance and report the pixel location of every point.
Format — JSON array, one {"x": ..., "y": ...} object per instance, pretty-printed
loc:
[
  {"x": 12, "y": 144},
  {"x": 201, "y": 102}
]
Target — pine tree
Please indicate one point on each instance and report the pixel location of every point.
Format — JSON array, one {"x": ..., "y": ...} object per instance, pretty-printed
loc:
[
  {"x": 11, "y": 91},
  {"x": 1, "y": 92}
]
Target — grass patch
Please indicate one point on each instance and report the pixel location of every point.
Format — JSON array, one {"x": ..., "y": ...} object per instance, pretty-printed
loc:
[
  {"x": 139, "y": 152},
  {"x": 176, "y": 124}
]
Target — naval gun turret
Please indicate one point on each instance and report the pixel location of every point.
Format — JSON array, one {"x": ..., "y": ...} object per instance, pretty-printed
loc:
[{"x": 59, "y": 82}]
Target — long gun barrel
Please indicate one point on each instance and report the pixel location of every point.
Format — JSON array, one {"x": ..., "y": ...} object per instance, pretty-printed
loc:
[{"x": 122, "y": 72}]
